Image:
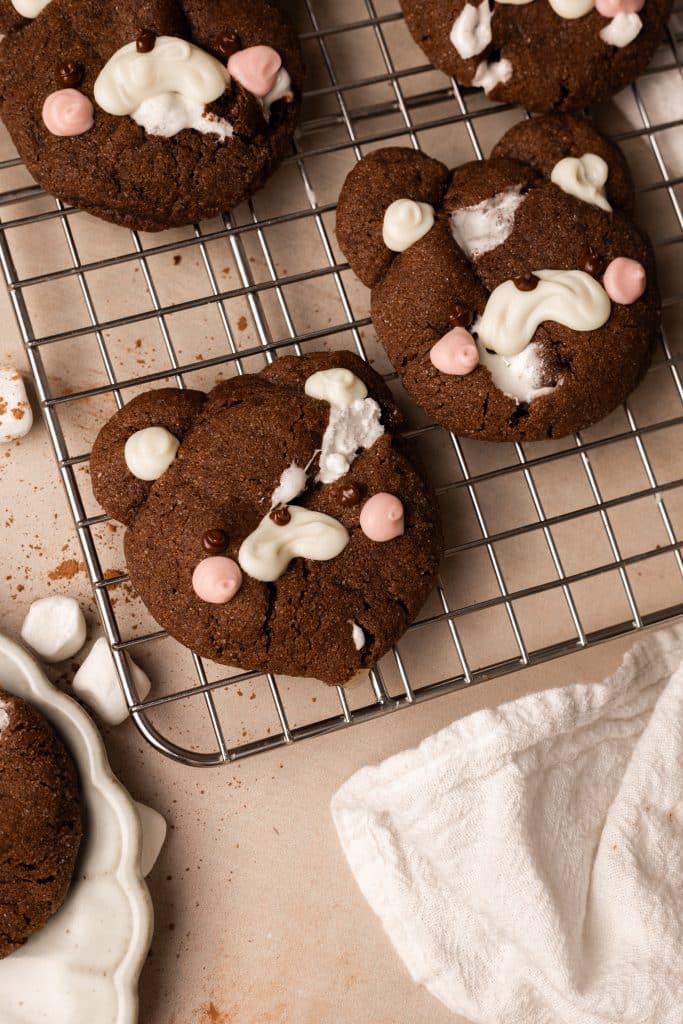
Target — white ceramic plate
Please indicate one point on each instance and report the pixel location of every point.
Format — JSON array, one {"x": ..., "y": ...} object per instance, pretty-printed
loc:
[{"x": 83, "y": 967}]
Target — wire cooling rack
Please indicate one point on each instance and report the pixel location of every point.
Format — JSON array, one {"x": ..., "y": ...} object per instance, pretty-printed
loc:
[{"x": 551, "y": 547}]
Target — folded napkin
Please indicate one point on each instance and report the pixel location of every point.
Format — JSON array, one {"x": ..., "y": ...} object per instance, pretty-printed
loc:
[{"x": 527, "y": 862}]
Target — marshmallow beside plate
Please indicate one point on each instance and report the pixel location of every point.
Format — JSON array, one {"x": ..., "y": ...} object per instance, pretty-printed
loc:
[
  {"x": 55, "y": 628},
  {"x": 97, "y": 684}
]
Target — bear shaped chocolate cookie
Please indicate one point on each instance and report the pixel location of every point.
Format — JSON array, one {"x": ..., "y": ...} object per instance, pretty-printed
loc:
[
  {"x": 544, "y": 54},
  {"x": 514, "y": 296},
  {"x": 277, "y": 523},
  {"x": 40, "y": 825},
  {"x": 152, "y": 114}
]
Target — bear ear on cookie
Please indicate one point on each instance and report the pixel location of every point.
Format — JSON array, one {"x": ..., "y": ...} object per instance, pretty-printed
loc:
[
  {"x": 137, "y": 445},
  {"x": 564, "y": 147},
  {"x": 412, "y": 184}
]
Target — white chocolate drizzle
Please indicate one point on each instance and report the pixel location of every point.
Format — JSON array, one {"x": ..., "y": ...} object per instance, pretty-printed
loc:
[
  {"x": 268, "y": 550},
  {"x": 354, "y": 422},
  {"x": 569, "y": 297},
  {"x": 173, "y": 66},
  {"x": 471, "y": 32},
  {"x": 405, "y": 222},
  {"x": 622, "y": 29},
  {"x": 480, "y": 228},
  {"x": 584, "y": 177}
]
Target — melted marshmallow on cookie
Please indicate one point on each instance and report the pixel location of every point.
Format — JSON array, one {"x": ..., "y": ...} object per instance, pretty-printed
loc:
[
  {"x": 354, "y": 422},
  {"x": 165, "y": 89},
  {"x": 480, "y": 228}
]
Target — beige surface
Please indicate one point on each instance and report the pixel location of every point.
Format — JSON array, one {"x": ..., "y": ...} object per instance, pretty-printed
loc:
[{"x": 258, "y": 918}]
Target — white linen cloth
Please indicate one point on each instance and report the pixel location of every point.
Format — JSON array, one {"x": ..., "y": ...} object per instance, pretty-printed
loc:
[{"x": 527, "y": 862}]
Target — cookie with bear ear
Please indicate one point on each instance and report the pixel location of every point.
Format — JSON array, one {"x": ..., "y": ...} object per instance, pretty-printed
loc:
[
  {"x": 156, "y": 113},
  {"x": 276, "y": 524},
  {"x": 547, "y": 55},
  {"x": 514, "y": 296}
]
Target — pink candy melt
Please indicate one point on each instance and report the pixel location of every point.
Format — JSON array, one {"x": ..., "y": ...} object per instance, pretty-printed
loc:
[
  {"x": 610, "y": 8},
  {"x": 624, "y": 280},
  {"x": 68, "y": 112},
  {"x": 382, "y": 517},
  {"x": 455, "y": 353},
  {"x": 217, "y": 580},
  {"x": 255, "y": 68}
]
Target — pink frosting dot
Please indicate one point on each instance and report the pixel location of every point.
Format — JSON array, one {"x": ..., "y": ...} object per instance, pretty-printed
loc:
[
  {"x": 217, "y": 580},
  {"x": 610, "y": 8},
  {"x": 455, "y": 353},
  {"x": 382, "y": 517},
  {"x": 624, "y": 280},
  {"x": 255, "y": 68},
  {"x": 68, "y": 112}
]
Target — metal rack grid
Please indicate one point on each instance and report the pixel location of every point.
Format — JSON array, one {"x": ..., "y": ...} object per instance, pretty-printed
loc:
[{"x": 548, "y": 544}]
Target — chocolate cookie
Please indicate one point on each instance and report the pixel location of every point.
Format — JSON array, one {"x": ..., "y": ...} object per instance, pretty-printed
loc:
[
  {"x": 544, "y": 54},
  {"x": 277, "y": 523},
  {"x": 159, "y": 113},
  {"x": 40, "y": 824},
  {"x": 514, "y": 296}
]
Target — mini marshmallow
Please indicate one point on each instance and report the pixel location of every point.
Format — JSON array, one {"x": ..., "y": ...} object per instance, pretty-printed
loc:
[
  {"x": 16, "y": 416},
  {"x": 55, "y": 628},
  {"x": 154, "y": 829},
  {"x": 97, "y": 684}
]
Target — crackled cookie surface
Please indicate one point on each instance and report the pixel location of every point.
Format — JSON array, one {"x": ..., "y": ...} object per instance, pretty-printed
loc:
[
  {"x": 514, "y": 296},
  {"x": 160, "y": 113},
  {"x": 40, "y": 824},
  {"x": 277, "y": 523},
  {"x": 543, "y": 54}
]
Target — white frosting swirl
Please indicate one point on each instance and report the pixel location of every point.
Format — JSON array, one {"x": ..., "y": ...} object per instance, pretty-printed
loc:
[
  {"x": 583, "y": 177},
  {"x": 174, "y": 65},
  {"x": 569, "y": 297},
  {"x": 471, "y": 32},
  {"x": 266, "y": 553},
  {"x": 406, "y": 222}
]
